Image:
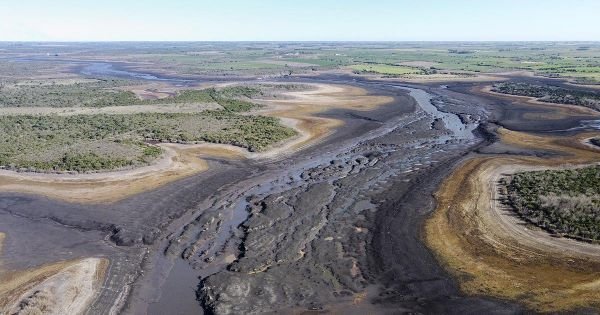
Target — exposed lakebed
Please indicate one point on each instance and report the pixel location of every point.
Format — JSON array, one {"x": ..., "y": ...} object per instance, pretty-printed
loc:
[{"x": 336, "y": 222}]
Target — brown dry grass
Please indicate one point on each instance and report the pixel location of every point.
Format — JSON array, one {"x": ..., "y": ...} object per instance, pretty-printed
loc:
[{"x": 492, "y": 254}]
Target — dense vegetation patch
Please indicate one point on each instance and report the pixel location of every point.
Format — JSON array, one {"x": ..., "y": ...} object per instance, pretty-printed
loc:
[
  {"x": 92, "y": 142},
  {"x": 551, "y": 94},
  {"x": 565, "y": 201},
  {"x": 392, "y": 70},
  {"x": 110, "y": 141},
  {"x": 102, "y": 93},
  {"x": 228, "y": 97}
]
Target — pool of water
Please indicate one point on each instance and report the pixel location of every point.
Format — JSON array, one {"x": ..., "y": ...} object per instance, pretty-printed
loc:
[{"x": 178, "y": 292}]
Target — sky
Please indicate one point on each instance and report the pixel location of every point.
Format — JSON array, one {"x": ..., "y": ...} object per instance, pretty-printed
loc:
[{"x": 299, "y": 20}]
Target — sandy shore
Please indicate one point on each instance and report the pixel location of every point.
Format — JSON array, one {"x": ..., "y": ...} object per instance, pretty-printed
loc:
[
  {"x": 298, "y": 110},
  {"x": 61, "y": 288},
  {"x": 66, "y": 287},
  {"x": 107, "y": 187},
  {"x": 492, "y": 252}
]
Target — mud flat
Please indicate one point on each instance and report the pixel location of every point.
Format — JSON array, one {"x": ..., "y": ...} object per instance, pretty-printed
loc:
[
  {"x": 362, "y": 249},
  {"x": 126, "y": 229},
  {"x": 335, "y": 226},
  {"x": 331, "y": 228}
]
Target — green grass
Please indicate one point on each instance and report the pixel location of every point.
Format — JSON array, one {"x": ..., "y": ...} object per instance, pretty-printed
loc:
[{"x": 102, "y": 142}]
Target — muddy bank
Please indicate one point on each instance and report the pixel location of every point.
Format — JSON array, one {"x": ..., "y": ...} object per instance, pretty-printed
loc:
[
  {"x": 339, "y": 231},
  {"x": 125, "y": 231},
  {"x": 501, "y": 255},
  {"x": 346, "y": 235},
  {"x": 228, "y": 205}
]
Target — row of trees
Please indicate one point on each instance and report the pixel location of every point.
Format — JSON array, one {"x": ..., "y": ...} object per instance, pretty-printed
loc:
[{"x": 551, "y": 94}]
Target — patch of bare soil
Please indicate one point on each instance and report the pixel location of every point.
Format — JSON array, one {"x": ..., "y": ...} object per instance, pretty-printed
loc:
[
  {"x": 152, "y": 91},
  {"x": 67, "y": 287},
  {"x": 62, "y": 288}
]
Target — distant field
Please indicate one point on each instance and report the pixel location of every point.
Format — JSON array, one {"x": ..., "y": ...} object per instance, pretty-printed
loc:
[
  {"x": 578, "y": 61},
  {"x": 386, "y": 69}
]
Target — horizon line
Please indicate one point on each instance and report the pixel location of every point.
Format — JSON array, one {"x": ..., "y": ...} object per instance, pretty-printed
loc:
[{"x": 300, "y": 41}]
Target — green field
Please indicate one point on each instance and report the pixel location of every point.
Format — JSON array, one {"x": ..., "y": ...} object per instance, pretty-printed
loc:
[
  {"x": 576, "y": 60},
  {"x": 385, "y": 69}
]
